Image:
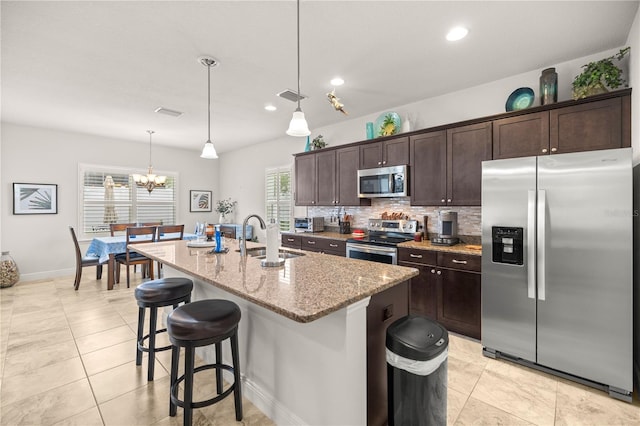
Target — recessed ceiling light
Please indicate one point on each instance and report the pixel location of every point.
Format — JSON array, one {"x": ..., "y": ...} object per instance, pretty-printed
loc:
[
  {"x": 337, "y": 81},
  {"x": 270, "y": 107},
  {"x": 457, "y": 33}
]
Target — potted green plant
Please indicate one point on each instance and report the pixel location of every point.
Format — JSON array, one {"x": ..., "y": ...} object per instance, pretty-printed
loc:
[
  {"x": 318, "y": 143},
  {"x": 597, "y": 77}
]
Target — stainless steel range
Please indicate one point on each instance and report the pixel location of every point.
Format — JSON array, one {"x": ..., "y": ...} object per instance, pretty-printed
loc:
[{"x": 381, "y": 245}]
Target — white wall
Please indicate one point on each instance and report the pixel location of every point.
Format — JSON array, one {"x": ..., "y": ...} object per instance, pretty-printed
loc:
[
  {"x": 244, "y": 169},
  {"x": 41, "y": 244}
]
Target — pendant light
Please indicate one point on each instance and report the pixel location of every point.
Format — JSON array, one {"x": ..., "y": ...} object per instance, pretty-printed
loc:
[
  {"x": 151, "y": 180},
  {"x": 209, "y": 151},
  {"x": 298, "y": 125}
]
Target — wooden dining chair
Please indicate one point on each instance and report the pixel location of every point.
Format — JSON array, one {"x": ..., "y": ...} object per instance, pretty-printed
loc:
[
  {"x": 151, "y": 223},
  {"x": 119, "y": 227},
  {"x": 169, "y": 233},
  {"x": 136, "y": 235},
  {"x": 84, "y": 261}
]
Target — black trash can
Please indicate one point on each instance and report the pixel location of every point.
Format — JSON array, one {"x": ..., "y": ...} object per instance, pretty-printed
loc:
[{"x": 417, "y": 350}]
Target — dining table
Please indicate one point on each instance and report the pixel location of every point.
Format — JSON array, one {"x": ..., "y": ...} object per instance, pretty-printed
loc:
[{"x": 106, "y": 249}]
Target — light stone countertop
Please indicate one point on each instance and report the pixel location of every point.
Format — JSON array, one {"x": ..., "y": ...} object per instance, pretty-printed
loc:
[
  {"x": 324, "y": 234},
  {"x": 304, "y": 289},
  {"x": 422, "y": 245},
  {"x": 458, "y": 248}
]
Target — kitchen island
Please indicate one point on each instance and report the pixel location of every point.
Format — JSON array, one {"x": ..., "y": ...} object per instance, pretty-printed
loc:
[{"x": 311, "y": 334}]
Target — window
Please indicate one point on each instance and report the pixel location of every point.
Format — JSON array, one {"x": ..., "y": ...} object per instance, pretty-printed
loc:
[
  {"x": 278, "y": 198},
  {"x": 102, "y": 203}
]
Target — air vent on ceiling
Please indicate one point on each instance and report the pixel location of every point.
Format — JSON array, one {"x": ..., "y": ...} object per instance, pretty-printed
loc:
[
  {"x": 167, "y": 111},
  {"x": 291, "y": 95}
]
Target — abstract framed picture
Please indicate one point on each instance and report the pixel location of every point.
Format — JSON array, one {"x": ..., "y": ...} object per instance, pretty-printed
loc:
[
  {"x": 200, "y": 201},
  {"x": 35, "y": 198}
]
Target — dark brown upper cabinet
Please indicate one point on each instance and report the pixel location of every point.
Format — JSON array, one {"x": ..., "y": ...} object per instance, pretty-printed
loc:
[
  {"x": 329, "y": 178},
  {"x": 446, "y": 166},
  {"x": 305, "y": 180},
  {"x": 428, "y": 168},
  {"x": 347, "y": 163},
  {"x": 521, "y": 136},
  {"x": 467, "y": 148},
  {"x": 587, "y": 126},
  {"x": 391, "y": 152}
]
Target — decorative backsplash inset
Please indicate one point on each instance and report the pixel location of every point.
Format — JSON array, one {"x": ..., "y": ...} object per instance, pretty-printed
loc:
[{"x": 469, "y": 218}]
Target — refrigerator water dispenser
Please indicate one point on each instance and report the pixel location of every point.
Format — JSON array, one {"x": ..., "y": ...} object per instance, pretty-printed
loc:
[{"x": 507, "y": 245}]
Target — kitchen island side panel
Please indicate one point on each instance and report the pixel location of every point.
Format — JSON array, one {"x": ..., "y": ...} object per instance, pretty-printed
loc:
[{"x": 298, "y": 373}]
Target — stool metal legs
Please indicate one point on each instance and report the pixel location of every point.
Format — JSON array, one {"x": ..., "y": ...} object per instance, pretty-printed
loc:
[
  {"x": 188, "y": 404},
  {"x": 153, "y": 331},
  {"x": 237, "y": 392}
]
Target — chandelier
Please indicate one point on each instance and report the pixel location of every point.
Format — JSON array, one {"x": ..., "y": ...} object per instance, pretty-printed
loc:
[{"x": 150, "y": 180}]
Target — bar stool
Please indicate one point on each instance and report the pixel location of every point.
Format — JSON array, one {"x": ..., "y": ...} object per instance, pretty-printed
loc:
[
  {"x": 156, "y": 294},
  {"x": 196, "y": 324}
]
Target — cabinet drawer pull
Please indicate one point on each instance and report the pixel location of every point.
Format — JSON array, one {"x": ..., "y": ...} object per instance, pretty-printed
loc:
[
  {"x": 311, "y": 242},
  {"x": 554, "y": 149},
  {"x": 544, "y": 150},
  {"x": 439, "y": 272},
  {"x": 417, "y": 256},
  {"x": 333, "y": 245},
  {"x": 433, "y": 271},
  {"x": 290, "y": 240},
  {"x": 462, "y": 262}
]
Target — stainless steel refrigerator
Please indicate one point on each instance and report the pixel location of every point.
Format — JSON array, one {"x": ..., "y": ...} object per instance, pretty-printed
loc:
[{"x": 557, "y": 265}]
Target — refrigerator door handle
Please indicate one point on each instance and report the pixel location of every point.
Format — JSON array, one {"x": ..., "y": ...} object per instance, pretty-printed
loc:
[
  {"x": 531, "y": 244},
  {"x": 542, "y": 236}
]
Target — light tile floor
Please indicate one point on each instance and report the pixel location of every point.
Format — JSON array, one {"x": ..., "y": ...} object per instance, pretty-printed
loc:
[{"x": 68, "y": 358}]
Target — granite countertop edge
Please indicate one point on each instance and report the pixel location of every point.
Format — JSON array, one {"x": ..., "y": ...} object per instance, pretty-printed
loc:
[{"x": 281, "y": 303}]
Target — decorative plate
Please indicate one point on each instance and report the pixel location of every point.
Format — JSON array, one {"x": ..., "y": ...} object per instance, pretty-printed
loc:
[
  {"x": 520, "y": 98},
  {"x": 387, "y": 124}
]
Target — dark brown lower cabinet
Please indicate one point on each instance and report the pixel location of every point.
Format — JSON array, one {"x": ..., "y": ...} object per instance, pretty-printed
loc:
[
  {"x": 459, "y": 301},
  {"x": 384, "y": 308},
  {"x": 450, "y": 296},
  {"x": 424, "y": 296}
]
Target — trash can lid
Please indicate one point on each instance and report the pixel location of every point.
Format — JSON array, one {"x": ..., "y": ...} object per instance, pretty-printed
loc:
[{"x": 417, "y": 337}]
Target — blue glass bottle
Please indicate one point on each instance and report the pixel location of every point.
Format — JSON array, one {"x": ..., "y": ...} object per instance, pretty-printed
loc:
[{"x": 218, "y": 239}]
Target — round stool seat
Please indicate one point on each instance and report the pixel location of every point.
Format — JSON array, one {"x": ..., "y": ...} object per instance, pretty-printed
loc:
[
  {"x": 202, "y": 320},
  {"x": 163, "y": 290}
]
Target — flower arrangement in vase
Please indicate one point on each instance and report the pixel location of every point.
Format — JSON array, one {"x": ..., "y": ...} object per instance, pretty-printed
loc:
[{"x": 225, "y": 207}]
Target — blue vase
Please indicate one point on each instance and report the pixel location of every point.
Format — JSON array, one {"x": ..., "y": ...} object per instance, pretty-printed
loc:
[{"x": 307, "y": 147}]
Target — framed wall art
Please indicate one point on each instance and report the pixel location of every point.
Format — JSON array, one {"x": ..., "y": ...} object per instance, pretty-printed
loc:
[
  {"x": 200, "y": 201},
  {"x": 35, "y": 198}
]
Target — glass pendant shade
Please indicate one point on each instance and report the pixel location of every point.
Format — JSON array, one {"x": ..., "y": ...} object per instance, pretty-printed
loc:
[
  {"x": 298, "y": 125},
  {"x": 209, "y": 151}
]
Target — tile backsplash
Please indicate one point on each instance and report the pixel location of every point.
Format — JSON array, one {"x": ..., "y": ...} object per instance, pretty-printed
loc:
[{"x": 469, "y": 218}]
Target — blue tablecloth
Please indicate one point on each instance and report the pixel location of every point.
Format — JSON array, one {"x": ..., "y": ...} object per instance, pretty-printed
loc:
[{"x": 104, "y": 246}]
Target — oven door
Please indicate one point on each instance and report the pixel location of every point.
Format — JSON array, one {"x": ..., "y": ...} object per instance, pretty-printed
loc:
[{"x": 373, "y": 253}]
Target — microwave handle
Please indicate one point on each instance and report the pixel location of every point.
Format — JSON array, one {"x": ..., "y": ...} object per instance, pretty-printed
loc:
[{"x": 392, "y": 184}]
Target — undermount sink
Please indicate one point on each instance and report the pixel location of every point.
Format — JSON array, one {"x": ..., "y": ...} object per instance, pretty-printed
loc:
[{"x": 261, "y": 253}]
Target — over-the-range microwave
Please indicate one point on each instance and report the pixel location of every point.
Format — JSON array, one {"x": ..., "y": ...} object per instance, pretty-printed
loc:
[{"x": 383, "y": 182}]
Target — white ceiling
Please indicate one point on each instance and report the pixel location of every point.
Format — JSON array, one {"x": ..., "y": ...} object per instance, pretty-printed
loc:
[{"x": 103, "y": 67}]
